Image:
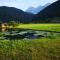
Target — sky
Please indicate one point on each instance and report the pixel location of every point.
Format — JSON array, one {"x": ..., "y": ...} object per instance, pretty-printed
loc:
[{"x": 24, "y": 4}]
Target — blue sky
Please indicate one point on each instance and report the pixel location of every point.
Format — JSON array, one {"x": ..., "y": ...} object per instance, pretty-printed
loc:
[{"x": 24, "y": 4}]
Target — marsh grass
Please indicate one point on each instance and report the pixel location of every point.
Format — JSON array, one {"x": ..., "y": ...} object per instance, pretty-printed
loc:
[{"x": 32, "y": 49}]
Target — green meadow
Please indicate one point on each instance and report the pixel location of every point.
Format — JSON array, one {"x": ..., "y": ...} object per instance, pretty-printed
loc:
[
  {"x": 49, "y": 27},
  {"x": 32, "y": 49}
]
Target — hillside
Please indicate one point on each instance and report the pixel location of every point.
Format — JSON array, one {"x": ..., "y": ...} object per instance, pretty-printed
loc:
[
  {"x": 13, "y": 14},
  {"x": 49, "y": 14}
]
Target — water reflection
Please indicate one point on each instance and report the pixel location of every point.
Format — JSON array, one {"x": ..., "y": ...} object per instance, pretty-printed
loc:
[{"x": 14, "y": 34}]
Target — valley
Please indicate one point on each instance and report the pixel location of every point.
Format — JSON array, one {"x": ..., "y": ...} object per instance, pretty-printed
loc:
[{"x": 33, "y": 34}]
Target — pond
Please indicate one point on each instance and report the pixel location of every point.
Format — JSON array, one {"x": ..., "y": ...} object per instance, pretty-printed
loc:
[{"x": 16, "y": 34}]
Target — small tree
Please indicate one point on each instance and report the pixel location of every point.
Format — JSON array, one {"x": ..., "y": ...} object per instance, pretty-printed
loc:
[{"x": 13, "y": 24}]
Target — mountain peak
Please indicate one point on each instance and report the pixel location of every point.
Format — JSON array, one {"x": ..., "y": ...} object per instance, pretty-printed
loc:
[{"x": 37, "y": 9}]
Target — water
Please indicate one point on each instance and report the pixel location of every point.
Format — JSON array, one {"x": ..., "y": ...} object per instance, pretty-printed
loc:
[{"x": 15, "y": 34}]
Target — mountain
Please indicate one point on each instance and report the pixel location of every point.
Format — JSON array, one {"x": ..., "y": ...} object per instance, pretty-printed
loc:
[
  {"x": 13, "y": 14},
  {"x": 38, "y": 9},
  {"x": 49, "y": 14},
  {"x": 30, "y": 10}
]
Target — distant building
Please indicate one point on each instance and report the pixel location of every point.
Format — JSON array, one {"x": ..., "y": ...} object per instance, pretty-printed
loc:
[{"x": 4, "y": 26}]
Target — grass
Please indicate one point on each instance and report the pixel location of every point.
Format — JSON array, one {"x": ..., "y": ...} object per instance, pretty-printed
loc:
[
  {"x": 50, "y": 27},
  {"x": 44, "y": 49},
  {"x": 36, "y": 49}
]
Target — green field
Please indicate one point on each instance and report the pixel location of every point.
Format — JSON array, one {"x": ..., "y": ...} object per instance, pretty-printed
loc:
[
  {"x": 50, "y": 27},
  {"x": 35, "y": 49}
]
